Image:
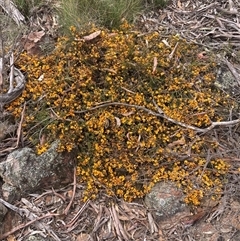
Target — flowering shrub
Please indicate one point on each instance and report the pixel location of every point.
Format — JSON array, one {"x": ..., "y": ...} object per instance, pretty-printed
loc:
[{"x": 124, "y": 149}]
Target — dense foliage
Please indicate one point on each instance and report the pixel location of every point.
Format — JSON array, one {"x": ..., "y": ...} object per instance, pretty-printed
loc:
[{"x": 70, "y": 95}]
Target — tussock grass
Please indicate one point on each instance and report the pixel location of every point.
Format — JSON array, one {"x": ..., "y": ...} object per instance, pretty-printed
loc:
[
  {"x": 25, "y": 7},
  {"x": 107, "y": 13}
]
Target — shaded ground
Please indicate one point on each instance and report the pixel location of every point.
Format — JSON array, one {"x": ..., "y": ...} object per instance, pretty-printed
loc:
[{"x": 215, "y": 27}]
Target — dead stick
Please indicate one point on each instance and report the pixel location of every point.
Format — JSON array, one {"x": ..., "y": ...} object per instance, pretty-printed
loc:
[{"x": 160, "y": 114}]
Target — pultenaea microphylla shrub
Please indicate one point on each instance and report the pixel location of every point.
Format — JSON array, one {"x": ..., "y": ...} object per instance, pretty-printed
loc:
[{"x": 123, "y": 149}]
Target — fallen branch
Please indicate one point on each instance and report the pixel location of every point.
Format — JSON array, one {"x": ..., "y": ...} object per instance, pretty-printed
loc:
[{"x": 161, "y": 114}]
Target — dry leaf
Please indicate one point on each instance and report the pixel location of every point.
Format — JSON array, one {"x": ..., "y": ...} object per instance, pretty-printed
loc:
[
  {"x": 41, "y": 77},
  {"x": 28, "y": 45},
  {"x": 30, "y": 41},
  {"x": 31, "y": 47},
  {"x": 106, "y": 123},
  {"x": 84, "y": 237},
  {"x": 51, "y": 200},
  {"x": 92, "y": 35},
  {"x": 179, "y": 4},
  {"x": 128, "y": 113},
  {"x": 111, "y": 34},
  {"x": 166, "y": 43},
  {"x": 1, "y": 79},
  {"x": 35, "y": 36},
  {"x": 118, "y": 121},
  {"x": 154, "y": 64},
  {"x": 202, "y": 55},
  {"x": 70, "y": 194},
  {"x": 43, "y": 140},
  {"x": 160, "y": 233},
  {"x": 11, "y": 238},
  {"x": 139, "y": 138},
  {"x": 109, "y": 70},
  {"x": 153, "y": 227},
  {"x": 178, "y": 142}
]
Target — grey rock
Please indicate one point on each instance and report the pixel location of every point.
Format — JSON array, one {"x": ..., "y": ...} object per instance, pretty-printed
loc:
[
  {"x": 165, "y": 199},
  {"x": 226, "y": 81},
  {"x": 7, "y": 124},
  {"x": 5, "y": 129},
  {"x": 25, "y": 172},
  {"x": 236, "y": 236},
  {"x": 10, "y": 193}
]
